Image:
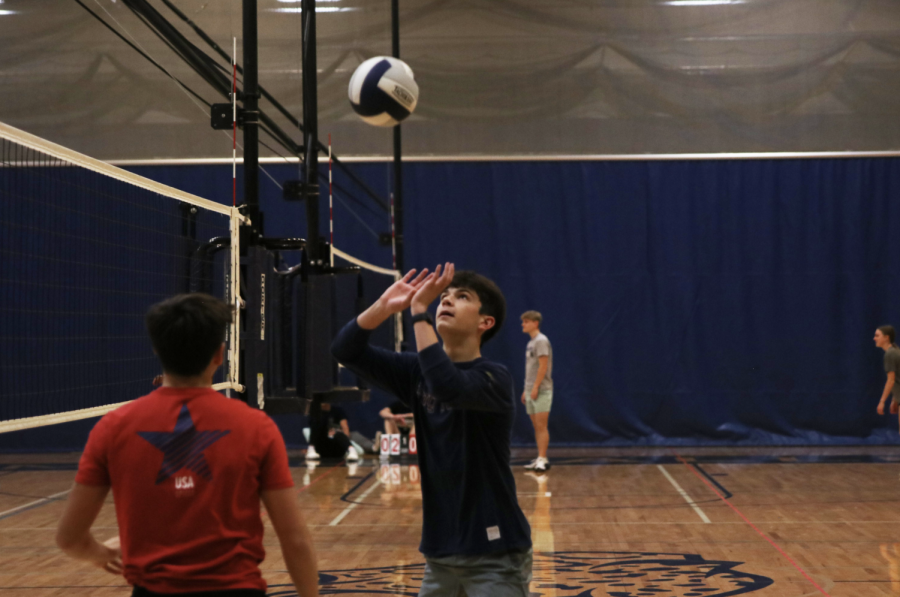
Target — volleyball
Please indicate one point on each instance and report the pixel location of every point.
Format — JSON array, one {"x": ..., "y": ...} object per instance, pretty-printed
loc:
[{"x": 383, "y": 91}]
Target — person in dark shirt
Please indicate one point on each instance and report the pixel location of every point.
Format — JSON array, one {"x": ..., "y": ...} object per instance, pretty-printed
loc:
[
  {"x": 329, "y": 433},
  {"x": 475, "y": 538}
]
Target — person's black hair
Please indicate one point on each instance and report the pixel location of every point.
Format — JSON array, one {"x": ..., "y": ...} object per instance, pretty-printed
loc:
[
  {"x": 888, "y": 330},
  {"x": 187, "y": 330},
  {"x": 493, "y": 302}
]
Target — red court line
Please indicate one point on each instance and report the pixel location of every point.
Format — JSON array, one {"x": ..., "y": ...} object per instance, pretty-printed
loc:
[{"x": 752, "y": 526}]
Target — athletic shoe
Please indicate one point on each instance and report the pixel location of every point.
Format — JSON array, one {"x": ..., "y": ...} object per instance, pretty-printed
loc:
[
  {"x": 542, "y": 465},
  {"x": 530, "y": 466},
  {"x": 311, "y": 453},
  {"x": 352, "y": 455}
]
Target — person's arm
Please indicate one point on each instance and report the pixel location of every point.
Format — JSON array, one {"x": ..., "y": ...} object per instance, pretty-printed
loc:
[
  {"x": 296, "y": 542},
  {"x": 541, "y": 373},
  {"x": 387, "y": 370},
  {"x": 345, "y": 427},
  {"x": 888, "y": 386},
  {"x": 73, "y": 535},
  {"x": 482, "y": 388},
  {"x": 351, "y": 346}
]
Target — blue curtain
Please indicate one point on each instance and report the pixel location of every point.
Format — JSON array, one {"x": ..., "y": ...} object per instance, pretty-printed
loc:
[{"x": 688, "y": 302}]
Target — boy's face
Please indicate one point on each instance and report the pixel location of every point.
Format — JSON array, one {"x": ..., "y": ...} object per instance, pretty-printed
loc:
[
  {"x": 458, "y": 313},
  {"x": 880, "y": 339},
  {"x": 529, "y": 325}
]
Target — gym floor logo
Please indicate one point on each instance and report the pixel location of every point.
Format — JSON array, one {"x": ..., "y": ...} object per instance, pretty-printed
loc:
[{"x": 571, "y": 574}]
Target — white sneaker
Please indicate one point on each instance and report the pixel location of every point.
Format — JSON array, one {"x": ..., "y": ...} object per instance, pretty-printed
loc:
[
  {"x": 530, "y": 466},
  {"x": 311, "y": 453},
  {"x": 352, "y": 454},
  {"x": 542, "y": 465}
]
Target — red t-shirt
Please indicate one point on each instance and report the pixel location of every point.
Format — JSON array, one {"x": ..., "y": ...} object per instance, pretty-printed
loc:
[{"x": 186, "y": 466}]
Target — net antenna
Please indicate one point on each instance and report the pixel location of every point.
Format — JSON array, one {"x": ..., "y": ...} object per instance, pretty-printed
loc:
[{"x": 87, "y": 248}]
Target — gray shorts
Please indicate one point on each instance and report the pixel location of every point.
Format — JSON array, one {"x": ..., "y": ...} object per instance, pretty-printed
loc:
[
  {"x": 541, "y": 405},
  {"x": 491, "y": 575}
]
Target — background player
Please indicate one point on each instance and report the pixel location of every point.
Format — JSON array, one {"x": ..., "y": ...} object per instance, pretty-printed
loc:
[
  {"x": 538, "y": 393},
  {"x": 884, "y": 339},
  {"x": 188, "y": 467}
]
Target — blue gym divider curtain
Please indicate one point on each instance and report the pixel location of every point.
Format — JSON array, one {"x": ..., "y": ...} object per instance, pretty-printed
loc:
[{"x": 688, "y": 302}]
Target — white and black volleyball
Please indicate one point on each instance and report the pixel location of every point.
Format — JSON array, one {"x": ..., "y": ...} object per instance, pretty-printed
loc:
[{"x": 383, "y": 91}]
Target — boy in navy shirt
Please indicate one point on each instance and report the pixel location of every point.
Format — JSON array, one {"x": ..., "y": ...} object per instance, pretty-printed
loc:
[{"x": 474, "y": 536}]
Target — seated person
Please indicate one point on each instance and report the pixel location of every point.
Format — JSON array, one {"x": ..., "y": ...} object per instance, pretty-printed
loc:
[
  {"x": 329, "y": 433},
  {"x": 397, "y": 416}
]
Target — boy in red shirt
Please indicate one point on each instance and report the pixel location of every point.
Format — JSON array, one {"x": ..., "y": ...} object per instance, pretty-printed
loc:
[{"x": 188, "y": 467}]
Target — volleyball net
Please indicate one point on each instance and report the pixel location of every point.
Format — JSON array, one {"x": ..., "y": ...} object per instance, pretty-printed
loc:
[{"x": 85, "y": 249}]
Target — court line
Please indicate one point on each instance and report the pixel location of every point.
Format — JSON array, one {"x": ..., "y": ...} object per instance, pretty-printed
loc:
[
  {"x": 34, "y": 504},
  {"x": 355, "y": 487},
  {"x": 754, "y": 527},
  {"x": 727, "y": 493},
  {"x": 337, "y": 520},
  {"x": 685, "y": 495}
]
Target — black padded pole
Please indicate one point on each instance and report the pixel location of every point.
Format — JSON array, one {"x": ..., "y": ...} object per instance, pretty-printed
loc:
[
  {"x": 251, "y": 116},
  {"x": 398, "y": 145},
  {"x": 311, "y": 130}
]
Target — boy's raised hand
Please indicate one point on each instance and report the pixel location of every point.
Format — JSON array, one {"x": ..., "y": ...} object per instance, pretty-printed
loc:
[
  {"x": 399, "y": 295},
  {"x": 432, "y": 287}
]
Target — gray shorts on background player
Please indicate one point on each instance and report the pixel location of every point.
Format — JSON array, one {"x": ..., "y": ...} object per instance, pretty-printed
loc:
[{"x": 542, "y": 405}]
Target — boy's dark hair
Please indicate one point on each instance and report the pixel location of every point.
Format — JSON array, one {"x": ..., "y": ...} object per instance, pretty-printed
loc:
[
  {"x": 493, "y": 302},
  {"x": 888, "y": 330},
  {"x": 187, "y": 330}
]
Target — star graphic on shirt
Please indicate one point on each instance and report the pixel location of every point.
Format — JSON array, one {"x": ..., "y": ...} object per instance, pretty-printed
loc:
[{"x": 183, "y": 447}]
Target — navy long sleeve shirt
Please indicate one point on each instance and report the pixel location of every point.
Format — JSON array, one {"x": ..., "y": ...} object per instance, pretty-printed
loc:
[{"x": 464, "y": 416}]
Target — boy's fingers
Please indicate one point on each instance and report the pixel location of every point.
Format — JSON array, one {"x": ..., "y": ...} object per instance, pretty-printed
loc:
[
  {"x": 409, "y": 274},
  {"x": 448, "y": 273},
  {"x": 422, "y": 275}
]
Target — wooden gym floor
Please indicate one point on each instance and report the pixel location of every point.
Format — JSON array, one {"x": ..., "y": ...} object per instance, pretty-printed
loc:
[{"x": 712, "y": 522}]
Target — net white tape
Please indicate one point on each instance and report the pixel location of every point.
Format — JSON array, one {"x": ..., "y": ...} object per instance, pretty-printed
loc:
[{"x": 394, "y": 274}]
